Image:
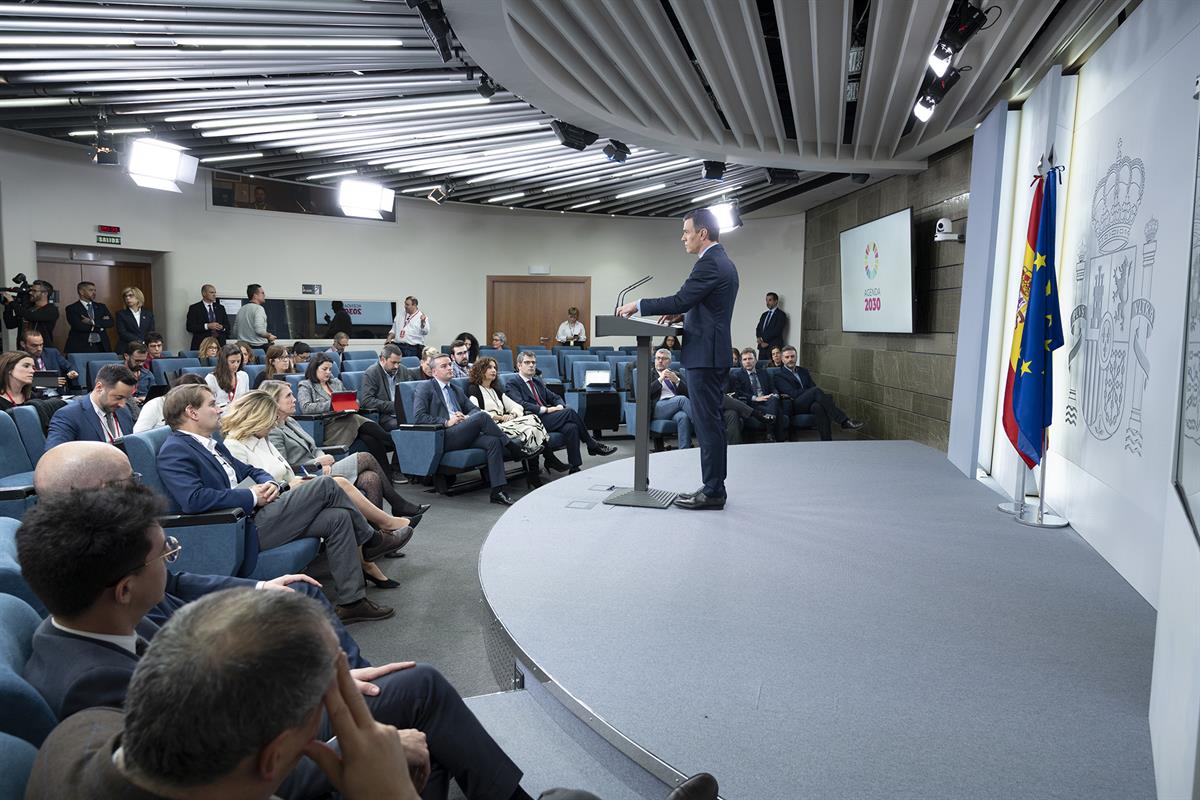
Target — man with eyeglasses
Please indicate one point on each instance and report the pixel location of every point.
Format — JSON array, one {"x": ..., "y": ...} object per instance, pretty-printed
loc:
[{"x": 39, "y": 314}]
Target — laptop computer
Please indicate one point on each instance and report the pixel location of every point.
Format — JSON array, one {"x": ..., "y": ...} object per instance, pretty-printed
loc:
[
  {"x": 597, "y": 377},
  {"x": 345, "y": 401},
  {"x": 157, "y": 390},
  {"x": 45, "y": 379}
]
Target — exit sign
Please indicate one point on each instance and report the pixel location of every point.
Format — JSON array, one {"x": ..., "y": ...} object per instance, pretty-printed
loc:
[
  {"x": 108, "y": 234},
  {"x": 105, "y": 239}
]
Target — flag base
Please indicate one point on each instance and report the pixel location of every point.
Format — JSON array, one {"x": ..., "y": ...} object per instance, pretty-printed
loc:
[
  {"x": 1030, "y": 518},
  {"x": 1012, "y": 508}
]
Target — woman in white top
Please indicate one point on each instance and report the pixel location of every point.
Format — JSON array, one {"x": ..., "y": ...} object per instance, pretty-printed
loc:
[
  {"x": 525, "y": 429},
  {"x": 151, "y": 415},
  {"x": 571, "y": 332},
  {"x": 227, "y": 382},
  {"x": 246, "y": 426}
]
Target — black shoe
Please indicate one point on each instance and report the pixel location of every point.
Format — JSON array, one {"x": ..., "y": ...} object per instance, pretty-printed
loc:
[
  {"x": 689, "y": 495},
  {"x": 852, "y": 424},
  {"x": 414, "y": 520},
  {"x": 700, "y": 786},
  {"x": 363, "y": 611},
  {"x": 700, "y": 502},
  {"x": 501, "y": 498},
  {"x": 761, "y": 417},
  {"x": 572, "y": 470},
  {"x": 601, "y": 449},
  {"x": 387, "y": 542},
  {"x": 399, "y": 479},
  {"x": 534, "y": 480},
  {"x": 386, "y": 583},
  {"x": 553, "y": 464},
  {"x": 411, "y": 510}
]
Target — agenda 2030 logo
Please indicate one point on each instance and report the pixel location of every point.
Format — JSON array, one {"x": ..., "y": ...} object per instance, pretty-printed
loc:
[{"x": 871, "y": 295}]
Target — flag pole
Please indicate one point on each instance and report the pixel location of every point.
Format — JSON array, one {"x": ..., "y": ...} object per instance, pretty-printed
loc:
[
  {"x": 1017, "y": 506},
  {"x": 1038, "y": 518}
]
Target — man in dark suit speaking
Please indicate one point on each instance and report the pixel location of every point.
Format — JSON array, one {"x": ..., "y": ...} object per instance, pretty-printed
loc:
[{"x": 705, "y": 303}]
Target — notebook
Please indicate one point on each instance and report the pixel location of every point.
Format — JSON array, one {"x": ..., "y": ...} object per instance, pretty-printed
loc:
[{"x": 345, "y": 401}]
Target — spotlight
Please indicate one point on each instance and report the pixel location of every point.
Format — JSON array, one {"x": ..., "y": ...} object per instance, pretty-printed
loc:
[
  {"x": 713, "y": 170},
  {"x": 616, "y": 151},
  {"x": 727, "y": 216},
  {"x": 486, "y": 87},
  {"x": 939, "y": 59},
  {"x": 359, "y": 198},
  {"x": 964, "y": 21},
  {"x": 103, "y": 153},
  {"x": 156, "y": 164},
  {"x": 441, "y": 192},
  {"x": 437, "y": 28},
  {"x": 775, "y": 176},
  {"x": 933, "y": 94},
  {"x": 572, "y": 136}
]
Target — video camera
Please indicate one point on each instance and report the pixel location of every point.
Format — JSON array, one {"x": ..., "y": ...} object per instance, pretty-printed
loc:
[{"x": 21, "y": 290}]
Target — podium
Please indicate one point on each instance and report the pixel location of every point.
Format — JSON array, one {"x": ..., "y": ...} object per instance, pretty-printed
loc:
[{"x": 641, "y": 495}]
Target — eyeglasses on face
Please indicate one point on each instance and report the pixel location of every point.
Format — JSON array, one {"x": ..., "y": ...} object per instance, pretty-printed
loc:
[{"x": 170, "y": 554}]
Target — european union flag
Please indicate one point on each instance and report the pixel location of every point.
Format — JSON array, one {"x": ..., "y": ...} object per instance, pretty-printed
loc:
[{"x": 1033, "y": 389}]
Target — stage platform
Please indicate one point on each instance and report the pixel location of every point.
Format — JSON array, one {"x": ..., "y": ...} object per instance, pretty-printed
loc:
[{"x": 859, "y": 622}]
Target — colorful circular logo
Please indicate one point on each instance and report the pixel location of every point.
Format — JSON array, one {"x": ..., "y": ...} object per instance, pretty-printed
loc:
[{"x": 871, "y": 261}]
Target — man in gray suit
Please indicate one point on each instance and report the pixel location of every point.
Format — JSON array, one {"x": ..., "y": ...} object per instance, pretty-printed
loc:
[{"x": 378, "y": 390}]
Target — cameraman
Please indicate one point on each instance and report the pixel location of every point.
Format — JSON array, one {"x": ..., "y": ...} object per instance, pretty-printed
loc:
[{"x": 35, "y": 312}]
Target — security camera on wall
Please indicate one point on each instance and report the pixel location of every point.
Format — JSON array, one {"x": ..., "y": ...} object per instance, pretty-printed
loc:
[{"x": 945, "y": 232}]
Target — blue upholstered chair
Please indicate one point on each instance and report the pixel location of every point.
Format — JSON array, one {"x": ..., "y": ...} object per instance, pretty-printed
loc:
[
  {"x": 166, "y": 368},
  {"x": 361, "y": 355},
  {"x": 412, "y": 362},
  {"x": 358, "y": 364},
  {"x": 253, "y": 371},
  {"x": 201, "y": 371},
  {"x": 567, "y": 361},
  {"x": 79, "y": 363},
  {"x": 26, "y": 715},
  {"x": 353, "y": 380},
  {"x": 16, "y": 764},
  {"x": 548, "y": 364},
  {"x": 29, "y": 426},
  {"x": 214, "y": 543},
  {"x": 503, "y": 356},
  {"x": 11, "y": 581},
  {"x": 16, "y": 471}
]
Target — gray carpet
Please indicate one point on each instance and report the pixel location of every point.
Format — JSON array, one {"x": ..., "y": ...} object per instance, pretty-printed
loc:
[{"x": 859, "y": 622}]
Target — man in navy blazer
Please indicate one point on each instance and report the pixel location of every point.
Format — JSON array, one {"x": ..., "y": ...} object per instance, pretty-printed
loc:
[
  {"x": 755, "y": 387},
  {"x": 439, "y": 402},
  {"x": 101, "y": 415},
  {"x": 47, "y": 358},
  {"x": 200, "y": 474},
  {"x": 705, "y": 302},
  {"x": 531, "y": 393},
  {"x": 769, "y": 330},
  {"x": 88, "y": 322},
  {"x": 207, "y": 318},
  {"x": 808, "y": 398}
]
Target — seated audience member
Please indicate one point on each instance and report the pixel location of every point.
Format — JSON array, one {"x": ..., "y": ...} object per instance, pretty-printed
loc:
[
  {"x": 571, "y": 331},
  {"x": 668, "y": 395},
  {"x": 301, "y": 352},
  {"x": 808, "y": 398},
  {"x": 440, "y": 402},
  {"x": 737, "y": 358},
  {"x": 134, "y": 322},
  {"x": 248, "y": 354},
  {"x": 201, "y": 475},
  {"x": 155, "y": 344},
  {"x": 99, "y": 416},
  {"x": 499, "y": 340},
  {"x": 460, "y": 355},
  {"x": 757, "y": 389},
  {"x": 228, "y": 381},
  {"x": 378, "y": 391},
  {"x": 48, "y": 358},
  {"x": 337, "y": 351},
  {"x": 776, "y": 357},
  {"x": 670, "y": 342},
  {"x": 245, "y": 427},
  {"x": 525, "y": 429},
  {"x": 278, "y": 364},
  {"x": 472, "y": 345},
  {"x": 425, "y": 368},
  {"x": 151, "y": 415},
  {"x": 362, "y": 469},
  {"x": 253, "y": 718},
  {"x": 314, "y": 395},
  {"x": 531, "y": 394},
  {"x": 735, "y": 413},
  {"x": 16, "y": 379},
  {"x": 135, "y": 359},
  {"x": 209, "y": 351}
]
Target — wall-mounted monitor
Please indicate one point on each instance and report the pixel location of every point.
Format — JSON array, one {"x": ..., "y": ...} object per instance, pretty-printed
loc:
[{"x": 877, "y": 275}]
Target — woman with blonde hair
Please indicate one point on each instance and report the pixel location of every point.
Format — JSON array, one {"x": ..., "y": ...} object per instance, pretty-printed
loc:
[
  {"x": 210, "y": 347},
  {"x": 134, "y": 323},
  {"x": 228, "y": 381},
  {"x": 246, "y": 426}
]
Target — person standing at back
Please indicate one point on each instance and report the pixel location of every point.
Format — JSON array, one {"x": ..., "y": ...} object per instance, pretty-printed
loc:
[
  {"x": 250, "y": 325},
  {"x": 705, "y": 304},
  {"x": 207, "y": 318},
  {"x": 410, "y": 328},
  {"x": 769, "y": 331},
  {"x": 89, "y": 322}
]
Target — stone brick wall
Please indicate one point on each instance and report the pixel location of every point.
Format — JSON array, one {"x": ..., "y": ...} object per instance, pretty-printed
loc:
[{"x": 901, "y": 384}]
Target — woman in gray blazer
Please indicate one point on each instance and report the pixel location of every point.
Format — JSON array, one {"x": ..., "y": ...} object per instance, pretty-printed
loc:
[
  {"x": 314, "y": 395},
  {"x": 361, "y": 469}
]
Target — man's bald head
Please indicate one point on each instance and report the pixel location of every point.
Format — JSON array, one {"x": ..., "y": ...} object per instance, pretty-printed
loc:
[{"x": 79, "y": 465}]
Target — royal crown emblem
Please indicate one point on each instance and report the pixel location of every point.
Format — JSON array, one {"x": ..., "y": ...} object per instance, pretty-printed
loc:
[{"x": 1116, "y": 201}]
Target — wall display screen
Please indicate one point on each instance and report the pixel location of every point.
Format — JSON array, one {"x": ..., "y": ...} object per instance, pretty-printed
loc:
[
  {"x": 362, "y": 312},
  {"x": 305, "y": 318},
  {"x": 877, "y": 275}
]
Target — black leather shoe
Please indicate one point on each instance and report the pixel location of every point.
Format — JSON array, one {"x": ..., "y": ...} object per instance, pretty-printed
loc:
[
  {"x": 387, "y": 542},
  {"x": 852, "y": 424},
  {"x": 534, "y": 480},
  {"x": 700, "y": 786},
  {"x": 572, "y": 470},
  {"x": 700, "y": 502},
  {"x": 414, "y": 520},
  {"x": 363, "y": 611},
  {"x": 553, "y": 463},
  {"x": 689, "y": 495},
  {"x": 501, "y": 498},
  {"x": 601, "y": 449}
]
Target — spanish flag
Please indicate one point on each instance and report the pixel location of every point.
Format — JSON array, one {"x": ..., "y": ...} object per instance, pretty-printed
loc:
[{"x": 1029, "y": 392}]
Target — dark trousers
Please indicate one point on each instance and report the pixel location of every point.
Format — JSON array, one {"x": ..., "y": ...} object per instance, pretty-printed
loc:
[
  {"x": 459, "y": 747},
  {"x": 816, "y": 401},
  {"x": 705, "y": 386},
  {"x": 774, "y": 406},
  {"x": 410, "y": 349},
  {"x": 478, "y": 430},
  {"x": 570, "y": 425},
  {"x": 735, "y": 413}
]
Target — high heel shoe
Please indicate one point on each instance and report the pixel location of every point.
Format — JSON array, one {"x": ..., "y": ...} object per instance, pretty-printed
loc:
[{"x": 386, "y": 583}]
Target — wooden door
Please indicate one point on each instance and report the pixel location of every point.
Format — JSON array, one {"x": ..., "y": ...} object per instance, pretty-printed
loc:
[
  {"x": 110, "y": 279},
  {"x": 529, "y": 308}
]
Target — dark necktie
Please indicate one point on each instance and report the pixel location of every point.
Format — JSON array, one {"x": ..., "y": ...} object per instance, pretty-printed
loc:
[
  {"x": 212, "y": 314},
  {"x": 669, "y": 384},
  {"x": 537, "y": 397},
  {"x": 140, "y": 646},
  {"x": 451, "y": 403},
  {"x": 755, "y": 385},
  {"x": 767, "y": 321}
]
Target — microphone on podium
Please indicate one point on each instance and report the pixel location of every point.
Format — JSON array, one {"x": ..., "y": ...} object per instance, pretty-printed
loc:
[{"x": 628, "y": 289}]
